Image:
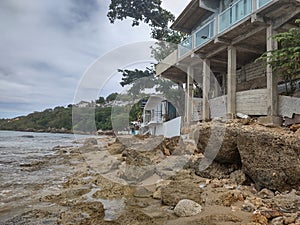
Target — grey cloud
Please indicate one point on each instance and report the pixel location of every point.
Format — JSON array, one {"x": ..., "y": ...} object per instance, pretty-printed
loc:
[{"x": 47, "y": 45}]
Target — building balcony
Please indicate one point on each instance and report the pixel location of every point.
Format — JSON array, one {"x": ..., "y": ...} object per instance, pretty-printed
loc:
[{"x": 219, "y": 24}]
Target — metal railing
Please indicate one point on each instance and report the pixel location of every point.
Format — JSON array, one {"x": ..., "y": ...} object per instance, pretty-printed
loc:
[
  {"x": 204, "y": 34},
  {"x": 261, "y": 3},
  {"x": 226, "y": 19},
  {"x": 234, "y": 14},
  {"x": 185, "y": 46}
]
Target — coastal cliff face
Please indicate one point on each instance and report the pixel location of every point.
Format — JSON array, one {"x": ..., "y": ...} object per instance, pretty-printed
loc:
[{"x": 270, "y": 157}]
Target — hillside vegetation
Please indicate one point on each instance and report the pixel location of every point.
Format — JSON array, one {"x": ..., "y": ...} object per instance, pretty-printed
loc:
[{"x": 60, "y": 119}]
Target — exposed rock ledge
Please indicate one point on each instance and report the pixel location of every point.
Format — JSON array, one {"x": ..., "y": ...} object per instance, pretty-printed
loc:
[{"x": 269, "y": 156}]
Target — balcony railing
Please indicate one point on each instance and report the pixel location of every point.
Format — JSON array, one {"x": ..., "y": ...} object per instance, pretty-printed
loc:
[
  {"x": 261, "y": 3},
  {"x": 235, "y": 13},
  {"x": 204, "y": 34},
  {"x": 185, "y": 46}
]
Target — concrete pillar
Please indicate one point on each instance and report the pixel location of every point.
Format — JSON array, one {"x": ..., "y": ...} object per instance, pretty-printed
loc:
[
  {"x": 272, "y": 105},
  {"x": 271, "y": 79},
  {"x": 206, "y": 89},
  {"x": 254, "y": 5},
  {"x": 216, "y": 31},
  {"x": 189, "y": 94},
  {"x": 231, "y": 82},
  {"x": 224, "y": 84},
  {"x": 186, "y": 100}
]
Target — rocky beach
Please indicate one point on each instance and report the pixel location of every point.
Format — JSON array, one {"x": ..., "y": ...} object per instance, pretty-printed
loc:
[{"x": 253, "y": 179}]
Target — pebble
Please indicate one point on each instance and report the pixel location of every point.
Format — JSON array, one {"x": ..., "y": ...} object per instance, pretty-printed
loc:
[
  {"x": 291, "y": 218},
  {"x": 270, "y": 214},
  {"x": 278, "y": 221},
  {"x": 258, "y": 218},
  {"x": 157, "y": 194},
  {"x": 230, "y": 187},
  {"x": 265, "y": 193},
  {"x": 248, "y": 207},
  {"x": 202, "y": 185},
  {"x": 234, "y": 208}
]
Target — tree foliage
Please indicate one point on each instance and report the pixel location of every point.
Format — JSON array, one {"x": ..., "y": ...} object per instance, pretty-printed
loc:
[
  {"x": 59, "y": 118},
  {"x": 100, "y": 100},
  {"x": 112, "y": 97},
  {"x": 285, "y": 61},
  {"x": 130, "y": 76},
  {"x": 149, "y": 12},
  {"x": 159, "y": 19}
]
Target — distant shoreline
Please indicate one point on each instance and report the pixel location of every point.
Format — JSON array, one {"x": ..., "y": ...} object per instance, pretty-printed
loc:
[
  {"x": 51, "y": 131},
  {"x": 58, "y": 131}
]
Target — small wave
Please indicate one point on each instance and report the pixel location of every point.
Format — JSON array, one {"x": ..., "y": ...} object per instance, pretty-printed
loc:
[{"x": 27, "y": 136}]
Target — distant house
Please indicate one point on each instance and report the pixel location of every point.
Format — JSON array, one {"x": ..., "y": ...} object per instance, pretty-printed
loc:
[
  {"x": 160, "y": 117},
  {"x": 219, "y": 57},
  {"x": 83, "y": 104},
  {"x": 120, "y": 103}
]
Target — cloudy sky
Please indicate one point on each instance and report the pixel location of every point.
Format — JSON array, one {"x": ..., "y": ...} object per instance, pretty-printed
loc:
[{"x": 47, "y": 45}]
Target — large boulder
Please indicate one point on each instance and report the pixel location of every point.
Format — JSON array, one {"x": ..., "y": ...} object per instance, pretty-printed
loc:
[
  {"x": 186, "y": 207},
  {"x": 270, "y": 157},
  {"x": 217, "y": 141}
]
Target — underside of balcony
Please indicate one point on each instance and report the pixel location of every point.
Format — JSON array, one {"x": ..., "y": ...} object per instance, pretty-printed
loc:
[{"x": 248, "y": 36}]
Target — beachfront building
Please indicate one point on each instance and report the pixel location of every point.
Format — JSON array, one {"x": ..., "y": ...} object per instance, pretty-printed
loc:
[
  {"x": 219, "y": 59},
  {"x": 160, "y": 117}
]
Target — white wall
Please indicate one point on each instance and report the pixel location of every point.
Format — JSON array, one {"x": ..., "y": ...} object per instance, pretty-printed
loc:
[
  {"x": 172, "y": 127},
  {"x": 288, "y": 106}
]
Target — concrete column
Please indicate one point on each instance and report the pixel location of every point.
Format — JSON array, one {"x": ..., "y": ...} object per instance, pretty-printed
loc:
[
  {"x": 272, "y": 99},
  {"x": 224, "y": 84},
  {"x": 271, "y": 79},
  {"x": 231, "y": 82},
  {"x": 186, "y": 100},
  {"x": 206, "y": 89},
  {"x": 254, "y": 5},
  {"x": 190, "y": 94},
  {"x": 216, "y": 25}
]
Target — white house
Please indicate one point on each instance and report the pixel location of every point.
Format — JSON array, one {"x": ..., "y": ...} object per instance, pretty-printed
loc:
[{"x": 160, "y": 117}]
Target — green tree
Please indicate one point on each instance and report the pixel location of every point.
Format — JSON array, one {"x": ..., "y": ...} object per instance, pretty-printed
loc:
[
  {"x": 112, "y": 97},
  {"x": 100, "y": 100},
  {"x": 130, "y": 76},
  {"x": 159, "y": 19},
  {"x": 149, "y": 12},
  {"x": 136, "y": 111},
  {"x": 285, "y": 61}
]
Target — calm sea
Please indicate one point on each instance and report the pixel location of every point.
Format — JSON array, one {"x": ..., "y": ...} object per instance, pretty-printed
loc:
[{"x": 20, "y": 182}]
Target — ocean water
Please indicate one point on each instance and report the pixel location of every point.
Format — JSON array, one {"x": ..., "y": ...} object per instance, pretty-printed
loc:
[
  {"x": 24, "y": 172},
  {"x": 18, "y": 149}
]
